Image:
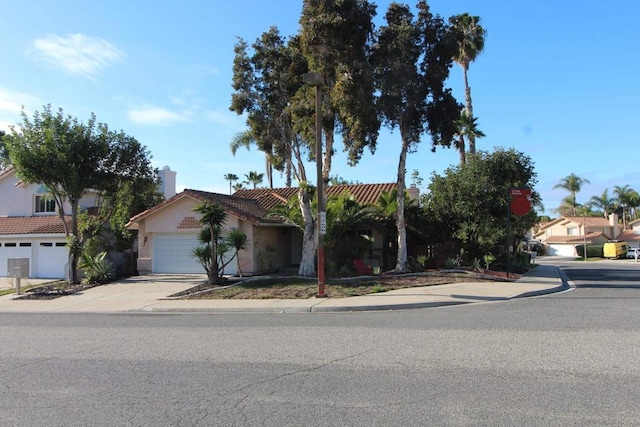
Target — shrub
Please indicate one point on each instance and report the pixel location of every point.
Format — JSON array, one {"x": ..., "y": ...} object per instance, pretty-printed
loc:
[
  {"x": 593, "y": 251},
  {"x": 97, "y": 269}
]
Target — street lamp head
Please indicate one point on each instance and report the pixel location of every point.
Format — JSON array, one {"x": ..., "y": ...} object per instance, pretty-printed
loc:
[{"x": 313, "y": 79}]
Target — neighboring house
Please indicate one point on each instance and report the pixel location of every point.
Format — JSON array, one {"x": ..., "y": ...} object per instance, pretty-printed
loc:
[
  {"x": 561, "y": 235},
  {"x": 168, "y": 232},
  {"x": 632, "y": 236},
  {"x": 31, "y": 231}
]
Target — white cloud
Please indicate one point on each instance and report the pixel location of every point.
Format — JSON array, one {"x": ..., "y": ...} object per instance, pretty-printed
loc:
[
  {"x": 156, "y": 116},
  {"x": 12, "y": 102},
  {"x": 76, "y": 53},
  {"x": 228, "y": 119}
]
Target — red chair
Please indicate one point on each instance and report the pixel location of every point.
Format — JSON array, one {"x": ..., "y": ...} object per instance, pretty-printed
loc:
[{"x": 361, "y": 268}]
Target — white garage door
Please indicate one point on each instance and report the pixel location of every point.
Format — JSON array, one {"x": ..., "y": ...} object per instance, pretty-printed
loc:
[
  {"x": 172, "y": 253},
  {"x": 562, "y": 250},
  {"x": 51, "y": 258}
]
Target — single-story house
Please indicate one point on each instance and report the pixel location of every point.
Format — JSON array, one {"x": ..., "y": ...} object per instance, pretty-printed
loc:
[{"x": 168, "y": 232}]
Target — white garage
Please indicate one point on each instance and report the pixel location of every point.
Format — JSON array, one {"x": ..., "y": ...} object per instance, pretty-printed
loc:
[
  {"x": 46, "y": 259},
  {"x": 173, "y": 255},
  {"x": 52, "y": 257}
]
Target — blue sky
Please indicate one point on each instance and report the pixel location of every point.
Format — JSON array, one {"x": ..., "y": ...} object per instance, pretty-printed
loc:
[{"x": 557, "y": 81}]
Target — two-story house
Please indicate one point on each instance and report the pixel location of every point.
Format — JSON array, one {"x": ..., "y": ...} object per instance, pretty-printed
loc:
[
  {"x": 561, "y": 235},
  {"x": 32, "y": 234}
]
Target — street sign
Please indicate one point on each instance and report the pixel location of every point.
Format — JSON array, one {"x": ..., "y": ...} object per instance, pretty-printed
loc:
[
  {"x": 520, "y": 203},
  {"x": 323, "y": 223}
]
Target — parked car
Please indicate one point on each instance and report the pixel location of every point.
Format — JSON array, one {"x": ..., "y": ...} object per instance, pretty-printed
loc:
[
  {"x": 633, "y": 252},
  {"x": 615, "y": 249}
]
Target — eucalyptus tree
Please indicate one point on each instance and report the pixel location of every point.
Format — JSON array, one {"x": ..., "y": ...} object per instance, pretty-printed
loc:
[
  {"x": 231, "y": 177},
  {"x": 470, "y": 37},
  {"x": 411, "y": 60},
  {"x": 336, "y": 38},
  {"x": 573, "y": 184},
  {"x": 268, "y": 88}
]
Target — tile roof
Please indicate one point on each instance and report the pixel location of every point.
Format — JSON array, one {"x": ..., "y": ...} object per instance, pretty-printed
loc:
[
  {"x": 46, "y": 224},
  {"x": 628, "y": 236},
  {"x": 254, "y": 205},
  {"x": 575, "y": 239},
  {"x": 363, "y": 193}
]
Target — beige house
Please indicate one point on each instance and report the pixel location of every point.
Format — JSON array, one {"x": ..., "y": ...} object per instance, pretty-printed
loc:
[
  {"x": 168, "y": 232},
  {"x": 561, "y": 235},
  {"x": 632, "y": 236}
]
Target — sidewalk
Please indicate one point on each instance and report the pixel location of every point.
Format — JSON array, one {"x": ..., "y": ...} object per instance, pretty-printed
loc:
[{"x": 148, "y": 294}]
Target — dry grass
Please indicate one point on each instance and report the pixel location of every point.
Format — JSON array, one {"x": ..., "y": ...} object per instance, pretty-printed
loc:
[{"x": 301, "y": 288}]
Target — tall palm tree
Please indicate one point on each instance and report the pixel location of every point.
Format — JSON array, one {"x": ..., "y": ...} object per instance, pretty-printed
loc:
[
  {"x": 634, "y": 203},
  {"x": 603, "y": 202},
  {"x": 245, "y": 139},
  {"x": 471, "y": 37},
  {"x": 231, "y": 177},
  {"x": 467, "y": 127},
  {"x": 254, "y": 178},
  {"x": 572, "y": 183},
  {"x": 624, "y": 195}
]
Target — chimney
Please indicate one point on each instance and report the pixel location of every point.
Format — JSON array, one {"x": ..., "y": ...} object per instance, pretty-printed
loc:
[
  {"x": 414, "y": 192},
  {"x": 613, "y": 222},
  {"x": 167, "y": 182}
]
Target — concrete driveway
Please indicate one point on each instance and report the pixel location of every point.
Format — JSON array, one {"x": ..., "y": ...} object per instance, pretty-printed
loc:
[{"x": 127, "y": 294}]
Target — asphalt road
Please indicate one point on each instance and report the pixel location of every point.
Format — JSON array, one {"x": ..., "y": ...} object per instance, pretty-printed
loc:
[{"x": 566, "y": 359}]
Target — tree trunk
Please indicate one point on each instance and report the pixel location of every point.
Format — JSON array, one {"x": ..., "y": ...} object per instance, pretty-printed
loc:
[
  {"x": 401, "y": 261},
  {"x": 75, "y": 248},
  {"x": 469, "y": 107},
  {"x": 463, "y": 157},
  {"x": 307, "y": 263}
]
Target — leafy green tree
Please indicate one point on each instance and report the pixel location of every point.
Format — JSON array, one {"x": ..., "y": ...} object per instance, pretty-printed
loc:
[
  {"x": 4, "y": 152},
  {"x": 470, "y": 37},
  {"x": 603, "y": 202},
  {"x": 71, "y": 158},
  {"x": 215, "y": 242},
  {"x": 336, "y": 38},
  {"x": 411, "y": 60},
  {"x": 573, "y": 184},
  {"x": 231, "y": 177},
  {"x": 471, "y": 201},
  {"x": 254, "y": 178},
  {"x": 131, "y": 199}
]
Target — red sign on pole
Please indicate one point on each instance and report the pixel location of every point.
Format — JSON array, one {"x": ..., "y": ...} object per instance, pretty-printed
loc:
[{"x": 520, "y": 203}]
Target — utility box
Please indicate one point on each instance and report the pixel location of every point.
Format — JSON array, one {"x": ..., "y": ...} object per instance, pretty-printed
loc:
[{"x": 17, "y": 266}]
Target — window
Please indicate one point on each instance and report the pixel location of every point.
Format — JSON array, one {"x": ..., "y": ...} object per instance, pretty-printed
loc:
[
  {"x": 45, "y": 204},
  {"x": 25, "y": 245},
  {"x": 572, "y": 231},
  {"x": 547, "y": 232}
]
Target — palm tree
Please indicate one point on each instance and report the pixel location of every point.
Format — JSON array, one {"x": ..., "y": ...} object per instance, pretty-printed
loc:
[
  {"x": 245, "y": 139},
  {"x": 572, "y": 183},
  {"x": 231, "y": 177},
  {"x": 634, "y": 203},
  {"x": 624, "y": 195},
  {"x": 603, "y": 202},
  {"x": 471, "y": 36},
  {"x": 467, "y": 127},
  {"x": 254, "y": 178}
]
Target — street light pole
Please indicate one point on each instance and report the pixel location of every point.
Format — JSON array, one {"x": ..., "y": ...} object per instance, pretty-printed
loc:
[
  {"x": 317, "y": 80},
  {"x": 584, "y": 231}
]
